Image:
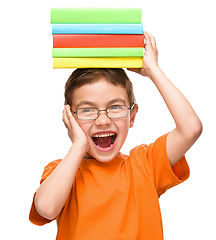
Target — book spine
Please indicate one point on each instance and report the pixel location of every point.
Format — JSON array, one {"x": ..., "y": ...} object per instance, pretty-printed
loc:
[
  {"x": 96, "y": 15},
  {"x": 98, "y": 62},
  {"x": 97, "y": 40},
  {"x": 97, "y": 28},
  {"x": 97, "y": 52}
]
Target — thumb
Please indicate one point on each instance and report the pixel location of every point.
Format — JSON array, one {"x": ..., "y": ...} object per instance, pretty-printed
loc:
[{"x": 136, "y": 70}]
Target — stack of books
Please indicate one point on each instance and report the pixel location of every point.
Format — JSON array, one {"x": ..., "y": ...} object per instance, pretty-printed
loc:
[{"x": 97, "y": 37}]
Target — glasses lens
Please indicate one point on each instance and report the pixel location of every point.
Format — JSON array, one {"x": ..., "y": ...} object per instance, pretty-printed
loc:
[
  {"x": 87, "y": 113},
  {"x": 117, "y": 111}
]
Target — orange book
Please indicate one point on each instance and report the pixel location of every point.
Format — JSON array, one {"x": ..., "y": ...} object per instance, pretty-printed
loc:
[{"x": 98, "y": 40}]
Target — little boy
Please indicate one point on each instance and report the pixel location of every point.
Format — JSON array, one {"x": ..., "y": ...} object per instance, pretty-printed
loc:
[{"x": 96, "y": 192}]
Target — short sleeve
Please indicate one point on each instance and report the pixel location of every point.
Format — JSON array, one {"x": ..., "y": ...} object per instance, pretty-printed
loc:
[
  {"x": 156, "y": 165},
  {"x": 34, "y": 216},
  {"x": 164, "y": 175}
]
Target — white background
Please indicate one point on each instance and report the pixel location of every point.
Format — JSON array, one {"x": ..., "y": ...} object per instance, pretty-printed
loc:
[{"x": 31, "y": 97}]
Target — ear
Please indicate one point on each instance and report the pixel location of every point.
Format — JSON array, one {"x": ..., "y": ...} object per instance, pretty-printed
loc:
[{"x": 133, "y": 115}]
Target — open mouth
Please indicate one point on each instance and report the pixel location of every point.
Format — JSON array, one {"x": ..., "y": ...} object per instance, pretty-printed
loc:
[{"x": 105, "y": 140}]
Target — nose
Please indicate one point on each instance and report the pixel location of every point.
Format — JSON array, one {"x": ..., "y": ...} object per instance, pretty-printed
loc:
[{"x": 102, "y": 119}]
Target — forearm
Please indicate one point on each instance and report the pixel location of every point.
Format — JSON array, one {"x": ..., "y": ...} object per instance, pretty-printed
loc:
[
  {"x": 180, "y": 109},
  {"x": 53, "y": 192},
  {"x": 188, "y": 126}
]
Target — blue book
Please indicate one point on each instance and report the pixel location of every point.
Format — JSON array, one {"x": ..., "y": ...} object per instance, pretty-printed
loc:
[{"x": 97, "y": 28}]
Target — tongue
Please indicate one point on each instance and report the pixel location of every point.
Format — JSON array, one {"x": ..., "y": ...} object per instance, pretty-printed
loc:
[{"x": 103, "y": 142}]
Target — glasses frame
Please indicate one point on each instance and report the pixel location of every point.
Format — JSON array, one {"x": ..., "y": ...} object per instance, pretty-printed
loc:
[{"x": 106, "y": 110}]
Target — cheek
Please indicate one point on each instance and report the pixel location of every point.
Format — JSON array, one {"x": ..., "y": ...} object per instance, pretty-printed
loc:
[
  {"x": 85, "y": 126},
  {"x": 123, "y": 127}
]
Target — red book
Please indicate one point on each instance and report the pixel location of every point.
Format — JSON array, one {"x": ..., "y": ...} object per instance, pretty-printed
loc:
[{"x": 97, "y": 40}]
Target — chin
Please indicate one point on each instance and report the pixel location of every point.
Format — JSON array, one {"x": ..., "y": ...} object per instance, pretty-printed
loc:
[{"x": 102, "y": 157}]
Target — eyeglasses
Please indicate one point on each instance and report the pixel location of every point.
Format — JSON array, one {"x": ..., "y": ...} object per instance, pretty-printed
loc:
[{"x": 113, "y": 112}]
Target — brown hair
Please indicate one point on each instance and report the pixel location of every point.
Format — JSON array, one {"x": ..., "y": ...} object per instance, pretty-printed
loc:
[{"x": 80, "y": 77}]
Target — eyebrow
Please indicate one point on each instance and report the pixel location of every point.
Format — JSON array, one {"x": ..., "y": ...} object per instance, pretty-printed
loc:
[{"x": 92, "y": 104}]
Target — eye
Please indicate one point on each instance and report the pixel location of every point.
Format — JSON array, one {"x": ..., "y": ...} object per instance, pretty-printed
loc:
[
  {"x": 86, "y": 110},
  {"x": 115, "y": 107}
]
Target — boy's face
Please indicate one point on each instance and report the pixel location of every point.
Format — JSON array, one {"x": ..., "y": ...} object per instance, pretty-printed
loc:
[{"x": 106, "y": 136}]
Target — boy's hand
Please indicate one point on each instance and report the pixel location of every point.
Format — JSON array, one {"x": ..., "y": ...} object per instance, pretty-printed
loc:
[
  {"x": 150, "y": 57},
  {"x": 53, "y": 192},
  {"x": 75, "y": 132}
]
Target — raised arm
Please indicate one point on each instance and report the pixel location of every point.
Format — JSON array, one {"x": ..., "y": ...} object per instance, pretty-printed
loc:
[{"x": 188, "y": 126}]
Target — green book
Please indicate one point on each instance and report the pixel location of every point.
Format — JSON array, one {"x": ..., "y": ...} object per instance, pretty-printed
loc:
[
  {"x": 96, "y": 15},
  {"x": 96, "y": 52}
]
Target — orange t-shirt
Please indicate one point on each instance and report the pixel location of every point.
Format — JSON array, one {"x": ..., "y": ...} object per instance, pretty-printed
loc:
[{"x": 117, "y": 199}]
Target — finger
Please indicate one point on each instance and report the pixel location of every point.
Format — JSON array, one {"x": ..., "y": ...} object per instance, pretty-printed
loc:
[
  {"x": 70, "y": 116},
  {"x": 147, "y": 41},
  {"x": 65, "y": 119},
  {"x": 136, "y": 70},
  {"x": 153, "y": 41},
  {"x": 67, "y": 116},
  {"x": 149, "y": 36},
  {"x": 150, "y": 40}
]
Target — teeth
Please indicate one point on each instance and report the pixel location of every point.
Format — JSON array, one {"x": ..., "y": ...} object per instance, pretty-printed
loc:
[
  {"x": 109, "y": 146},
  {"x": 104, "y": 135}
]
